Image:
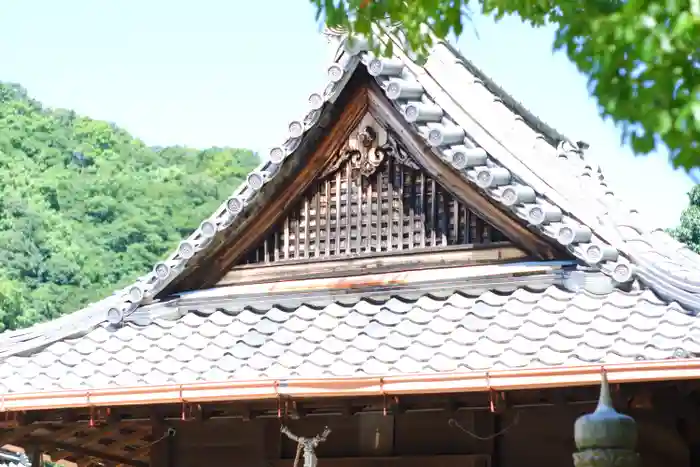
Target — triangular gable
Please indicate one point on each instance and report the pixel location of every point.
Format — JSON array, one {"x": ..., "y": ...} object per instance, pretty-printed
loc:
[
  {"x": 361, "y": 190},
  {"x": 535, "y": 177},
  {"x": 372, "y": 203},
  {"x": 373, "y": 200}
]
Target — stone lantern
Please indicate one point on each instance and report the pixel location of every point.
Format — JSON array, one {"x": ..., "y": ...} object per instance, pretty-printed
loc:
[{"x": 605, "y": 438}]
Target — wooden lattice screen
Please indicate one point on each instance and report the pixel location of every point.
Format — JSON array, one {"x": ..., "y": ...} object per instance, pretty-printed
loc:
[{"x": 397, "y": 208}]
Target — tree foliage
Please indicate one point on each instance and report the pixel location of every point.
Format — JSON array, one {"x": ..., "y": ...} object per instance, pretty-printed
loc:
[
  {"x": 642, "y": 58},
  {"x": 85, "y": 208},
  {"x": 688, "y": 231}
]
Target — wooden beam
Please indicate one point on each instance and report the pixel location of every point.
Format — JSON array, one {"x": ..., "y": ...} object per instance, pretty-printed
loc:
[
  {"x": 81, "y": 451},
  {"x": 455, "y": 183},
  {"x": 115, "y": 433},
  {"x": 133, "y": 445},
  {"x": 438, "y": 257},
  {"x": 68, "y": 416}
]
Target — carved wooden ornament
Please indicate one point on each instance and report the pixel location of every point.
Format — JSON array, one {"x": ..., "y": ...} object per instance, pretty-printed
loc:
[{"x": 367, "y": 146}]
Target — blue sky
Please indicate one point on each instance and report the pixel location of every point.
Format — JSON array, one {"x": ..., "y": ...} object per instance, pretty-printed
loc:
[{"x": 233, "y": 73}]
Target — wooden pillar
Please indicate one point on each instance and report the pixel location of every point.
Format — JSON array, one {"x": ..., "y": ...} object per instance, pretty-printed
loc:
[{"x": 37, "y": 457}]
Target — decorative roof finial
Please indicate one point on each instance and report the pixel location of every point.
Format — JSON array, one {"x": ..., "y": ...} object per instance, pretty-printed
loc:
[{"x": 605, "y": 438}]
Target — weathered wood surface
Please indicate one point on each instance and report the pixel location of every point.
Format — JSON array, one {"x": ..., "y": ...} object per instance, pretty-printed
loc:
[
  {"x": 212, "y": 268},
  {"x": 381, "y": 263},
  {"x": 354, "y": 211}
]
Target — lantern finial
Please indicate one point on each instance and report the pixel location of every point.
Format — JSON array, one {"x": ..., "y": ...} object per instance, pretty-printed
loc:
[{"x": 605, "y": 438}]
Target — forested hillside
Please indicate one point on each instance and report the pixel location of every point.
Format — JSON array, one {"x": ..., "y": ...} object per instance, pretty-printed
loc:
[{"x": 85, "y": 207}]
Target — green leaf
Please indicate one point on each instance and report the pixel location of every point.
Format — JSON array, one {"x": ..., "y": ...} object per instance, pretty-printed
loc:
[
  {"x": 644, "y": 143},
  {"x": 640, "y": 57}
]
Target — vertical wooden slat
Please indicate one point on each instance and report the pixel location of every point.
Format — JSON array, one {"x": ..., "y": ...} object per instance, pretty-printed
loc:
[
  {"x": 302, "y": 232},
  {"x": 434, "y": 221},
  {"x": 467, "y": 226},
  {"x": 411, "y": 210},
  {"x": 265, "y": 250},
  {"x": 443, "y": 213},
  {"x": 357, "y": 181},
  {"x": 402, "y": 207},
  {"x": 327, "y": 229},
  {"x": 348, "y": 207},
  {"x": 338, "y": 213},
  {"x": 456, "y": 211},
  {"x": 423, "y": 209},
  {"x": 474, "y": 234},
  {"x": 277, "y": 245},
  {"x": 391, "y": 168},
  {"x": 369, "y": 244},
  {"x": 478, "y": 230},
  {"x": 397, "y": 208},
  {"x": 297, "y": 233},
  {"x": 286, "y": 238},
  {"x": 487, "y": 234}
]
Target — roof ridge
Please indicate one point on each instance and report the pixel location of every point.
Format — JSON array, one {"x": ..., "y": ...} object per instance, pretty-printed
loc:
[
  {"x": 507, "y": 98},
  {"x": 566, "y": 146}
]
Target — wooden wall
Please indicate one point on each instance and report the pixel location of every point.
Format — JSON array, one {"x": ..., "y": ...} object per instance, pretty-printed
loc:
[{"x": 537, "y": 437}]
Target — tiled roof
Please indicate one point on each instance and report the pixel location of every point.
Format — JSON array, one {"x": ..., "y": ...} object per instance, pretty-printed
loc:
[
  {"x": 527, "y": 168},
  {"x": 453, "y": 332}
]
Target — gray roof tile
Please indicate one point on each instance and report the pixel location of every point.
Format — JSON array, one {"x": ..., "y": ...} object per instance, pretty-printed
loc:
[
  {"x": 170, "y": 366},
  {"x": 374, "y": 367},
  {"x": 455, "y": 333}
]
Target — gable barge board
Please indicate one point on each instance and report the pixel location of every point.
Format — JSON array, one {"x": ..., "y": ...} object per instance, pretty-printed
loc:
[
  {"x": 456, "y": 184},
  {"x": 310, "y": 159}
]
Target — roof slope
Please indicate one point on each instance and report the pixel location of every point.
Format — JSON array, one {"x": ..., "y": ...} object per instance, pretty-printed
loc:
[
  {"x": 536, "y": 322},
  {"x": 513, "y": 158},
  {"x": 556, "y": 168}
]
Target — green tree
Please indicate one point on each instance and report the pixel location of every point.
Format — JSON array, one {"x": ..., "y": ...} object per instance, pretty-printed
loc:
[
  {"x": 688, "y": 231},
  {"x": 642, "y": 58},
  {"x": 85, "y": 208}
]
